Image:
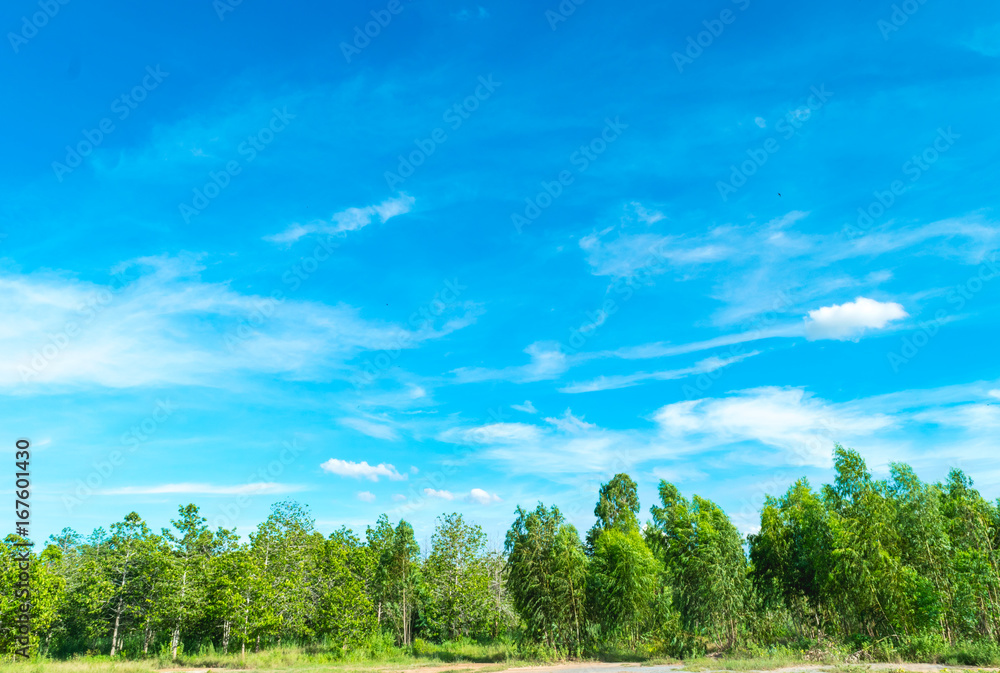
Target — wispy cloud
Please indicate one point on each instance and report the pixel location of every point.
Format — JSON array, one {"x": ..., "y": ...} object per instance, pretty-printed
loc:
[
  {"x": 370, "y": 428},
  {"x": 164, "y": 325},
  {"x": 548, "y": 361},
  {"x": 258, "y": 488},
  {"x": 710, "y": 364},
  {"x": 362, "y": 470},
  {"x": 347, "y": 220}
]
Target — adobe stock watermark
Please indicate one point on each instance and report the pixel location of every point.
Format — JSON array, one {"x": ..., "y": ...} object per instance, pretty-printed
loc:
[
  {"x": 223, "y": 7},
  {"x": 714, "y": 28},
  {"x": 374, "y": 367},
  {"x": 381, "y": 18},
  {"x": 264, "y": 308},
  {"x": 754, "y": 329},
  {"x": 31, "y": 25},
  {"x": 122, "y": 107},
  {"x": 454, "y": 116},
  {"x": 257, "y": 483},
  {"x": 911, "y": 344},
  {"x": 580, "y": 160},
  {"x": 788, "y": 126},
  {"x": 562, "y": 12},
  {"x": 625, "y": 286},
  {"x": 249, "y": 148},
  {"x": 40, "y": 358},
  {"x": 914, "y": 168},
  {"x": 102, "y": 470},
  {"x": 901, "y": 13}
]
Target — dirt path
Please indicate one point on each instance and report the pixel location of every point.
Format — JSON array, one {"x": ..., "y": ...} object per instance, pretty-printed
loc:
[{"x": 605, "y": 667}]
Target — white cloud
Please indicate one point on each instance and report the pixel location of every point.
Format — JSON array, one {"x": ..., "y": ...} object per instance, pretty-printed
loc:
[
  {"x": 995, "y": 393},
  {"x": 398, "y": 497},
  {"x": 188, "y": 488},
  {"x": 790, "y": 419},
  {"x": 350, "y": 219},
  {"x": 482, "y": 497},
  {"x": 492, "y": 433},
  {"x": 362, "y": 470},
  {"x": 710, "y": 364},
  {"x": 370, "y": 428},
  {"x": 548, "y": 361},
  {"x": 163, "y": 325},
  {"x": 366, "y": 496},
  {"x": 443, "y": 495},
  {"x": 527, "y": 407},
  {"x": 851, "y": 320}
]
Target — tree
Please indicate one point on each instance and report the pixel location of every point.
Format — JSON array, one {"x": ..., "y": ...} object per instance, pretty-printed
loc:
[
  {"x": 545, "y": 579},
  {"x": 623, "y": 576},
  {"x": 790, "y": 555},
  {"x": 456, "y": 576},
  {"x": 617, "y": 508},
  {"x": 703, "y": 554},
  {"x": 23, "y": 576},
  {"x": 130, "y": 567},
  {"x": 191, "y": 547}
]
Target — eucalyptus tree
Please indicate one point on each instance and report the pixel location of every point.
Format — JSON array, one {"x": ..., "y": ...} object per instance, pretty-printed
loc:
[
  {"x": 705, "y": 561},
  {"x": 545, "y": 577},
  {"x": 867, "y": 576},
  {"x": 791, "y": 555},
  {"x": 617, "y": 508},
  {"x": 623, "y": 583}
]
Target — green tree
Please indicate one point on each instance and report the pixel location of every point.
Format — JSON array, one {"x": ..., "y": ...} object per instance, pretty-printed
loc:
[
  {"x": 546, "y": 575},
  {"x": 457, "y": 580},
  {"x": 617, "y": 508},
  {"x": 703, "y": 554},
  {"x": 623, "y": 577}
]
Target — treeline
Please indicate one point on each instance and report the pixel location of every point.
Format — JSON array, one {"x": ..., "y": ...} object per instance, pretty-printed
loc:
[{"x": 895, "y": 565}]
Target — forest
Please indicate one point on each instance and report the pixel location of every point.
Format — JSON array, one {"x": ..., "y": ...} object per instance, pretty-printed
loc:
[{"x": 875, "y": 569}]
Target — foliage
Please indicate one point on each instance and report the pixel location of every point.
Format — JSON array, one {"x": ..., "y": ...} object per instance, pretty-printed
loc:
[{"x": 862, "y": 569}]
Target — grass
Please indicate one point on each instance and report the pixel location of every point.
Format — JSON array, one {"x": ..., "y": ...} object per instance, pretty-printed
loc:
[{"x": 381, "y": 656}]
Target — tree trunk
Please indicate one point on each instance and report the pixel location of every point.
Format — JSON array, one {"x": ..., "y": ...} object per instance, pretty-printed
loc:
[
  {"x": 148, "y": 636},
  {"x": 118, "y": 619},
  {"x": 225, "y": 636},
  {"x": 175, "y": 638}
]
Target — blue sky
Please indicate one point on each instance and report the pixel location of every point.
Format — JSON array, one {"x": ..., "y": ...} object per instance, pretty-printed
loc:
[{"x": 490, "y": 254}]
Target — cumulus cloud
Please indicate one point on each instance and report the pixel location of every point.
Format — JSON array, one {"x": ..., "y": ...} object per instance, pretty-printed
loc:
[
  {"x": 362, "y": 470},
  {"x": 849, "y": 321},
  {"x": 366, "y": 496},
  {"x": 482, "y": 497},
  {"x": 398, "y": 497},
  {"x": 442, "y": 494},
  {"x": 347, "y": 220},
  {"x": 527, "y": 407}
]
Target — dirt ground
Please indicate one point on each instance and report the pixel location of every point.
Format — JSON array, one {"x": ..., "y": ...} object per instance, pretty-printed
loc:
[{"x": 604, "y": 667}]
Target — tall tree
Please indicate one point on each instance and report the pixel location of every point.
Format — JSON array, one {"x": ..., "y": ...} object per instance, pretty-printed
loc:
[{"x": 617, "y": 508}]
